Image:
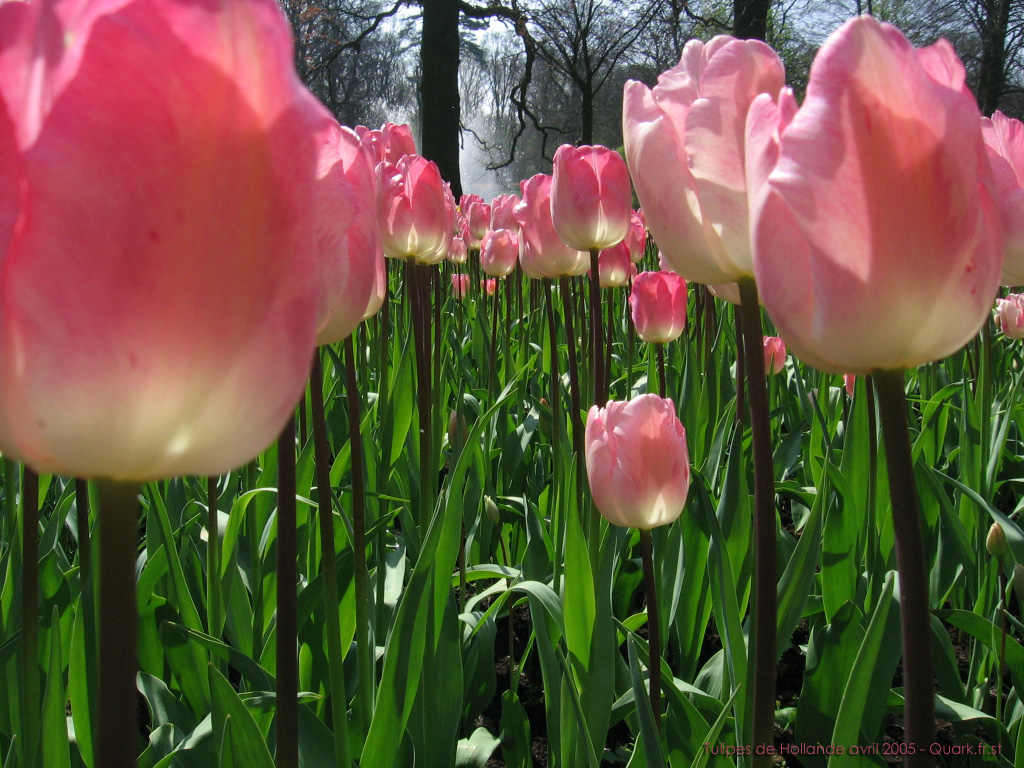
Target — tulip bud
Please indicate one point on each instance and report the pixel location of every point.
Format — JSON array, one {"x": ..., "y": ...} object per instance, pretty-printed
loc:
[
  {"x": 499, "y": 252},
  {"x": 657, "y": 304},
  {"x": 636, "y": 237},
  {"x": 491, "y": 510},
  {"x": 479, "y": 218},
  {"x": 614, "y": 267},
  {"x": 458, "y": 253},
  {"x": 850, "y": 382},
  {"x": 388, "y": 144},
  {"x": 414, "y": 210},
  {"x": 995, "y": 542},
  {"x": 590, "y": 197},
  {"x": 774, "y": 355},
  {"x": 637, "y": 461},
  {"x": 489, "y": 286},
  {"x": 542, "y": 253},
  {"x": 458, "y": 431},
  {"x": 460, "y": 285}
]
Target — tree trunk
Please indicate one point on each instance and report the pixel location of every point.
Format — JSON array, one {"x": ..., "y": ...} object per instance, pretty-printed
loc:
[
  {"x": 587, "y": 114},
  {"x": 992, "y": 77},
  {"x": 439, "y": 89},
  {"x": 750, "y": 18}
]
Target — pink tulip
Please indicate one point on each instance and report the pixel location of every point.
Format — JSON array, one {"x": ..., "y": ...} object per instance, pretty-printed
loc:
[
  {"x": 774, "y": 355},
  {"x": 499, "y": 252},
  {"x": 388, "y": 144},
  {"x": 414, "y": 210},
  {"x": 867, "y": 257},
  {"x": 685, "y": 144},
  {"x": 458, "y": 253},
  {"x": 849, "y": 383},
  {"x": 543, "y": 254},
  {"x": 658, "y": 306},
  {"x": 158, "y": 299},
  {"x": 614, "y": 268},
  {"x": 489, "y": 286},
  {"x": 503, "y": 212},
  {"x": 351, "y": 258},
  {"x": 1010, "y": 315},
  {"x": 465, "y": 201},
  {"x": 1004, "y": 137},
  {"x": 479, "y": 219},
  {"x": 460, "y": 285},
  {"x": 729, "y": 292},
  {"x": 637, "y": 462},
  {"x": 636, "y": 237},
  {"x": 590, "y": 197},
  {"x": 379, "y": 291}
]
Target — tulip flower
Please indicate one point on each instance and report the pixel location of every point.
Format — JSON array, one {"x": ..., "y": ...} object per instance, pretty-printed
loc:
[
  {"x": 479, "y": 219},
  {"x": 637, "y": 461},
  {"x": 774, "y": 355},
  {"x": 414, "y": 210},
  {"x": 1010, "y": 315},
  {"x": 503, "y": 212},
  {"x": 458, "y": 253},
  {"x": 849, "y": 383},
  {"x": 590, "y": 197},
  {"x": 388, "y": 144},
  {"x": 489, "y": 286},
  {"x": 352, "y": 269},
  {"x": 614, "y": 267},
  {"x": 499, "y": 252},
  {"x": 686, "y": 149},
  {"x": 544, "y": 254},
  {"x": 636, "y": 237},
  {"x": 658, "y": 306},
  {"x": 866, "y": 259},
  {"x": 460, "y": 285},
  {"x": 1004, "y": 138},
  {"x": 465, "y": 201}
]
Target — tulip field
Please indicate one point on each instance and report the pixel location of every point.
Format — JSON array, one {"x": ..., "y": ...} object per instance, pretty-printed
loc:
[{"x": 705, "y": 451}]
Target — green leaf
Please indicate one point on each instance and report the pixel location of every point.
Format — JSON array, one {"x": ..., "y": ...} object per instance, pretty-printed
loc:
[
  {"x": 475, "y": 751},
  {"x": 234, "y": 727},
  {"x": 54, "y": 724}
]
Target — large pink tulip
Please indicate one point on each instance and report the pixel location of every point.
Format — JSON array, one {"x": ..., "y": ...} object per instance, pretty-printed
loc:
[
  {"x": 638, "y": 464},
  {"x": 158, "y": 301},
  {"x": 414, "y": 210},
  {"x": 774, "y": 355},
  {"x": 351, "y": 257},
  {"x": 1004, "y": 137},
  {"x": 503, "y": 212},
  {"x": 590, "y": 196},
  {"x": 388, "y": 144},
  {"x": 1010, "y": 315},
  {"x": 614, "y": 269},
  {"x": 877, "y": 244},
  {"x": 499, "y": 252},
  {"x": 543, "y": 253},
  {"x": 686, "y": 149},
  {"x": 658, "y": 306}
]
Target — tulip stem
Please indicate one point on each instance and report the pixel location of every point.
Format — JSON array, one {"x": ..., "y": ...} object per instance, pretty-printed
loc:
[
  {"x": 653, "y": 626},
  {"x": 659, "y": 351},
  {"x": 556, "y": 412},
  {"x": 325, "y": 515},
  {"x": 29, "y": 616},
  {"x": 918, "y": 691},
  {"x": 287, "y": 718},
  {"x": 494, "y": 340},
  {"x": 741, "y": 369},
  {"x": 574, "y": 395},
  {"x": 765, "y": 608},
  {"x": 87, "y": 606},
  {"x": 609, "y": 336},
  {"x": 596, "y": 332},
  {"x": 364, "y": 652},
  {"x": 117, "y": 524}
]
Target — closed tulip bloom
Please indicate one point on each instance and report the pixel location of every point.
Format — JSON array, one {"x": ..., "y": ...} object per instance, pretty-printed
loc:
[
  {"x": 543, "y": 253},
  {"x": 460, "y": 285},
  {"x": 774, "y": 355},
  {"x": 658, "y": 306},
  {"x": 499, "y": 252},
  {"x": 415, "y": 215},
  {"x": 1004, "y": 137},
  {"x": 638, "y": 464},
  {"x": 158, "y": 301},
  {"x": 1010, "y": 315},
  {"x": 503, "y": 212},
  {"x": 590, "y": 197},
  {"x": 614, "y": 267},
  {"x": 878, "y": 245},
  {"x": 686, "y": 148},
  {"x": 849, "y": 383},
  {"x": 458, "y": 253},
  {"x": 350, "y": 254},
  {"x": 465, "y": 201},
  {"x": 636, "y": 237},
  {"x": 479, "y": 219},
  {"x": 388, "y": 144},
  {"x": 489, "y": 286}
]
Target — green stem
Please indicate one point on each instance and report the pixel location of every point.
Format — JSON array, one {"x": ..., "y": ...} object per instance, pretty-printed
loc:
[
  {"x": 325, "y": 520},
  {"x": 659, "y": 351},
  {"x": 287, "y": 718},
  {"x": 741, "y": 368},
  {"x": 918, "y": 691},
  {"x": 653, "y": 625},
  {"x": 214, "y": 598},
  {"x": 86, "y": 575},
  {"x": 574, "y": 398},
  {"x": 596, "y": 332},
  {"x": 765, "y": 608},
  {"x": 364, "y": 651},
  {"x": 30, "y": 617},
  {"x": 557, "y": 420},
  {"x": 118, "y": 534},
  {"x": 1002, "y": 642}
]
